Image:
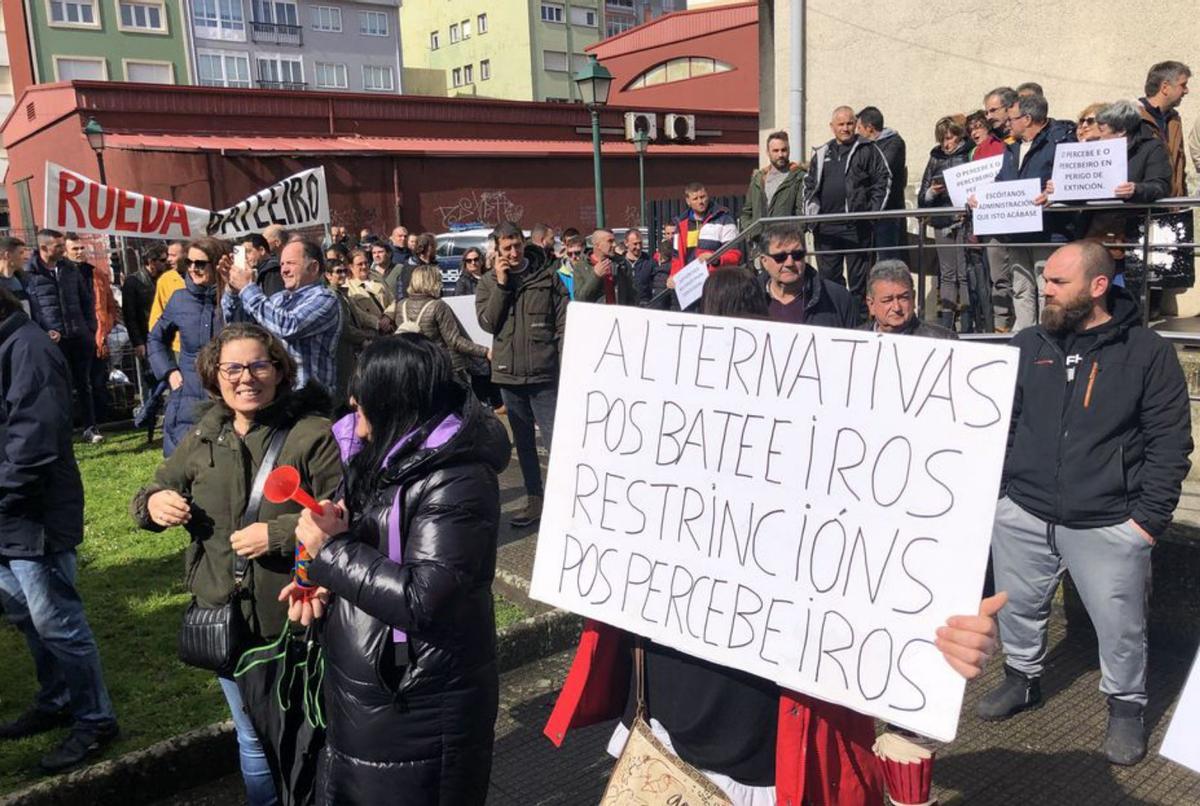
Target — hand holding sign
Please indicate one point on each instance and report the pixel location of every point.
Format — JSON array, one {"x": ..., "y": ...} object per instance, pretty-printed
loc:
[{"x": 689, "y": 283}]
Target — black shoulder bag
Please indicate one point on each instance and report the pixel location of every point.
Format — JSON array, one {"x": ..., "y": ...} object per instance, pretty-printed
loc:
[{"x": 214, "y": 638}]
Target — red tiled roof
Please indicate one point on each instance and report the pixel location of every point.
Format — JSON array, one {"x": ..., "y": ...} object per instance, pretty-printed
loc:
[
  {"x": 676, "y": 27},
  {"x": 424, "y": 146}
]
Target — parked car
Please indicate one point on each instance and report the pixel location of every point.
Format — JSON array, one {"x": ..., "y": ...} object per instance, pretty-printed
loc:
[{"x": 450, "y": 249}]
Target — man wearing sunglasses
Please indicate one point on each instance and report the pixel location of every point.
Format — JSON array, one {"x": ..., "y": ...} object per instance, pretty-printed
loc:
[
  {"x": 573, "y": 257},
  {"x": 797, "y": 292}
]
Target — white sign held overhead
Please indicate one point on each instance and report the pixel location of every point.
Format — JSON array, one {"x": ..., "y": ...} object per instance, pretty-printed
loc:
[
  {"x": 805, "y": 504},
  {"x": 963, "y": 180},
  {"x": 689, "y": 283},
  {"x": 1089, "y": 170},
  {"x": 1007, "y": 207}
]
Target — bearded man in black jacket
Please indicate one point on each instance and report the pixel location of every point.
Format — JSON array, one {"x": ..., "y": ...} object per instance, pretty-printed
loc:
[{"x": 1097, "y": 453}]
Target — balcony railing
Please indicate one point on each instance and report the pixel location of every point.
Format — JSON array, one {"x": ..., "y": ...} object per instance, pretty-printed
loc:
[
  {"x": 274, "y": 33},
  {"x": 281, "y": 85}
]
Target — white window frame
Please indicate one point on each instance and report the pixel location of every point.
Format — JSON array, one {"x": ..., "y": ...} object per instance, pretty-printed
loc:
[
  {"x": 485, "y": 69},
  {"x": 343, "y": 73},
  {"x": 584, "y": 13},
  {"x": 162, "y": 16},
  {"x": 481, "y": 23},
  {"x": 454, "y": 37},
  {"x": 387, "y": 70},
  {"x": 566, "y": 61},
  {"x": 465, "y": 27},
  {"x": 68, "y": 57},
  {"x": 468, "y": 75},
  {"x": 94, "y": 25},
  {"x": 223, "y": 55},
  {"x": 556, "y": 10},
  {"x": 271, "y": 5},
  {"x": 221, "y": 32},
  {"x": 435, "y": 40},
  {"x": 334, "y": 13},
  {"x": 363, "y": 16},
  {"x": 456, "y": 77},
  {"x": 277, "y": 58},
  {"x": 155, "y": 62}
]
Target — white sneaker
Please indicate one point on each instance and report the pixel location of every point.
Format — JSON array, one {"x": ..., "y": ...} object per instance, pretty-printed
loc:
[{"x": 92, "y": 436}]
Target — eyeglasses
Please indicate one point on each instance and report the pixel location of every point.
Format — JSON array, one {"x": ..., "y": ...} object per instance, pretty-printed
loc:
[
  {"x": 342, "y": 270},
  {"x": 1015, "y": 118},
  {"x": 472, "y": 260},
  {"x": 202, "y": 265},
  {"x": 991, "y": 110},
  {"x": 797, "y": 255},
  {"x": 1090, "y": 120},
  {"x": 574, "y": 253},
  {"x": 232, "y": 371}
]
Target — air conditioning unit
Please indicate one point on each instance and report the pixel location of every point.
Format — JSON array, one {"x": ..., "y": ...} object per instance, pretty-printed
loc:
[
  {"x": 641, "y": 122},
  {"x": 680, "y": 127}
]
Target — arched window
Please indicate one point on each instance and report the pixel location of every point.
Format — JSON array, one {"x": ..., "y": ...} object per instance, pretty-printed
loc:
[{"x": 679, "y": 69}]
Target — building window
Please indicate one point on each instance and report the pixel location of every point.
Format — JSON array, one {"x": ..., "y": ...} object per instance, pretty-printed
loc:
[
  {"x": 466, "y": 29},
  {"x": 219, "y": 19},
  {"x": 435, "y": 41},
  {"x": 481, "y": 24},
  {"x": 372, "y": 23},
  {"x": 679, "y": 70},
  {"x": 280, "y": 72},
  {"x": 67, "y": 68},
  {"x": 555, "y": 60},
  {"x": 378, "y": 79},
  {"x": 453, "y": 34},
  {"x": 613, "y": 27},
  {"x": 142, "y": 16},
  {"x": 485, "y": 69},
  {"x": 223, "y": 69},
  {"x": 620, "y": 3},
  {"x": 74, "y": 12},
  {"x": 552, "y": 12},
  {"x": 149, "y": 72},
  {"x": 456, "y": 77},
  {"x": 276, "y": 12},
  {"x": 469, "y": 74},
  {"x": 583, "y": 16},
  {"x": 331, "y": 76},
  {"x": 327, "y": 18}
]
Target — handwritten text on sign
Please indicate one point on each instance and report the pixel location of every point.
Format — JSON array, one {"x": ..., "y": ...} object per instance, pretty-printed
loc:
[
  {"x": 76, "y": 203},
  {"x": 1089, "y": 170},
  {"x": 963, "y": 180},
  {"x": 1006, "y": 207},
  {"x": 805, "y": 504}
]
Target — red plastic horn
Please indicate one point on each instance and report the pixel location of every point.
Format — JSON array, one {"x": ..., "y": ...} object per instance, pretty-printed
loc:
[{"x": 283, "y": 484}]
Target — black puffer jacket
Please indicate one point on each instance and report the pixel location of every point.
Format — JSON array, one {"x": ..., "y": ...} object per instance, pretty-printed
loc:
[
  {"x": 417, "y": 729},
  {"x": 939, "y": 161}
]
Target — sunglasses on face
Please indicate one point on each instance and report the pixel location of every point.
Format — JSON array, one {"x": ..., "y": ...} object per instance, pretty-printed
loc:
[
  {"x": 574, "y": 252},
  {"x": 340, "y": 270},
  {"x": 797, "y": 255},
  {"x": 472, "y": 260},
  {"x": 1088, "y": 121},
  {"x": 202, "y": 265}
]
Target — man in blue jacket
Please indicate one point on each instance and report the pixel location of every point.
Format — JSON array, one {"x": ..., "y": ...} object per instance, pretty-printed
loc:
[
  {"x": 1097, "y": 453},
  {"x": 62, "y": 303},
  {"x": 41, "y": 523}
]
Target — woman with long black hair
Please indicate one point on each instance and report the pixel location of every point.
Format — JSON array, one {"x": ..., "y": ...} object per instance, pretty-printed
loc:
[{"x": 405, "y": 566}]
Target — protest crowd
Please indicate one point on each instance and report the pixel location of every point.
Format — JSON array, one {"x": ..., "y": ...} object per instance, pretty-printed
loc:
[{"x": 344, "y": 360}]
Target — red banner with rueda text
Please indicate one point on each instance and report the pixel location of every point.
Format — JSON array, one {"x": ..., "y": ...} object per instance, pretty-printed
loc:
[{"x": 79, "y": 204}]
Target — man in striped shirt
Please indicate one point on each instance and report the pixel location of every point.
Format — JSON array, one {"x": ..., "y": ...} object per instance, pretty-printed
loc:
[{"x": 305, "y": 315}]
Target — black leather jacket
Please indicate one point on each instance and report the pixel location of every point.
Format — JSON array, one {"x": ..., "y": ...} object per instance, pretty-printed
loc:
[{"x": 441, "y": 596}]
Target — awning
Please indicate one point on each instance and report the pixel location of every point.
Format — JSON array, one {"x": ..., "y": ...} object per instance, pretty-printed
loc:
[{"x": 351, "y": 145}]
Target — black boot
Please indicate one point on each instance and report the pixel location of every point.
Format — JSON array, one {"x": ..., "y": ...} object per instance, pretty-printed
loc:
[
  {"x": 33, "y": 722},
  {"x": 1017, "y": 693},
  {"x": 1125, "y": 741},
  {"x": 80, "y": 745}
]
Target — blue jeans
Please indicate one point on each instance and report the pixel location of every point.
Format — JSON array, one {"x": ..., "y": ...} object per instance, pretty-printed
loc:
[
  {"x": 260, "y": 786},
  {"x": 40, "y": 600},
  {"x": 526, "y": 405}
]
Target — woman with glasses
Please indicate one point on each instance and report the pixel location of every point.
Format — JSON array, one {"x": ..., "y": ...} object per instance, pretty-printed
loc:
[
  {"x": 472, "y": 270},
  {"x": 1086, "y": 129},
  {"x": 203, "y": 487},
  {"x": 194, "y": 314}
]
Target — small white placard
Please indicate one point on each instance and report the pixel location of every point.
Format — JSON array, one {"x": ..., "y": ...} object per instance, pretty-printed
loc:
[
  {"x": 963, "y": 180},
  {"x": 1089, "y": 170},
  {"x": 689, "y": 283},
  {"x": 1007, "y": 207}
]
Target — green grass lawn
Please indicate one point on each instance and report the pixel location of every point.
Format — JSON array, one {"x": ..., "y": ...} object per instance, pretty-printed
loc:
[{"x": 132, "y": 586}]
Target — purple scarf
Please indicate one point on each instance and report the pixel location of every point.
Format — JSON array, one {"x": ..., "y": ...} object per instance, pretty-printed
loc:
[{"x": 349, "y": 445}]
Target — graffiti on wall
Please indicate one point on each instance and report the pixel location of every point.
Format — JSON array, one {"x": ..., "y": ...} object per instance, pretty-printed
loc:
[{"x": 488, "y": 207}]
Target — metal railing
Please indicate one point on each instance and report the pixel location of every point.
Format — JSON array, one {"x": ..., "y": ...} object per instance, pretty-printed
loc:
[
  {"x": 281, "y": 85},
  {"x": 275, "y": 33}
]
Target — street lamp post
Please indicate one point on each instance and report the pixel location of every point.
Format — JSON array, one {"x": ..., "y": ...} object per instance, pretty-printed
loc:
[
  {"x": 594, "y": 82},
  {"x": 95, "y": 137},
  {"x": 641, "y": 140}
]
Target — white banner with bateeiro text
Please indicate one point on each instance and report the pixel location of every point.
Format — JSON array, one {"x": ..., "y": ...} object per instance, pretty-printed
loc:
[
  {"x": 805, "y": 504},
  {"x": 76, "y": 203}
]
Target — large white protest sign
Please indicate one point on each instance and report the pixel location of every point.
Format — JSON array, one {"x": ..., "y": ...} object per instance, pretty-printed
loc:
[
  {"x": 805, "y": 504},
  {"x": 1089, "y": 170},
  {"x": 1182, "y": 742},
  {"x": 1007, "y": 207},
  {"x": 963, "y": 180},
  {"x": 464, "y": 308},
  {"x": 76, "y": 203},
  {"x": 689, "y": 283}
]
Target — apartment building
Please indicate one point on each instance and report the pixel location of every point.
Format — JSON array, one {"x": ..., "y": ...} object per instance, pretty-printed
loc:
[
  {"x": 296, "y": 44},
  {"x": 514, "y": 50}
]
